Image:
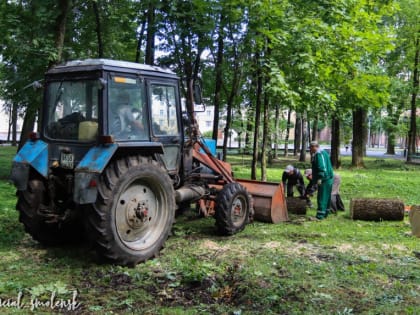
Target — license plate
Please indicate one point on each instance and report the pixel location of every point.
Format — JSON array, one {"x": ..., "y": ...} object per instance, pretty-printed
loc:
[{"x": 67, "y": 160}]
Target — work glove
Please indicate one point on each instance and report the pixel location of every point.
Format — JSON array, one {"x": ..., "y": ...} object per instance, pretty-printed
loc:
[{"x": 319, "y": 182}]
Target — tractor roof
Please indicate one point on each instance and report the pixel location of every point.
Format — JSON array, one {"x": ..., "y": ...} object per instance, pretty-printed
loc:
[{"x": 107, "y": 64}]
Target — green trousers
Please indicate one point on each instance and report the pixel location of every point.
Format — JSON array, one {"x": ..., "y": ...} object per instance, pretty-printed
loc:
[{"x": 324, "y": 198}]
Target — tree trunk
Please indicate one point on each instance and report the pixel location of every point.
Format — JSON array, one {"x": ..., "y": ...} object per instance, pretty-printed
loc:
[
  {"x": 140, "y": 40},
  {"x": 257, "y": 117},
  {"x": 315, "y": 129},
  {"x": 335, "y": 141},
  {"x": 359, "y": 137},
  {"x": 236, "y": 80},
  {"x": 249, "y": 128},
  {"x": 370, "y": 209},
  {"x": 14, "y": 117},
  {"x": 150, "y": 39},
  {"x": 412, "y": 135},
  {"x": 302, "y": 156},
  {"x": 308, "y": 128},
  {"x": 286, "y": 138},
  {"x": 390, "y": 147},
  {"x": 60, "y": 30},
  {"x": 9, "y": 125},
  {"x": 276, "y": 132},
  {"x": 226, "y": 132},
  {"x": 98, "y": 29},
  {"x": 219, "y": 79},
  {"x": 265, "y": 137},
  {"x": 391, "y": 130},
  {"x": 298, "y": 134}
]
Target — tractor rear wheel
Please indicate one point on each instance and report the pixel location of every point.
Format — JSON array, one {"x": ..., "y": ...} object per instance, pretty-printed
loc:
[
  {"x": 232, "y": 209},
  {"x": 32, "y": 205},
  {"x": 134, "y": 211}
]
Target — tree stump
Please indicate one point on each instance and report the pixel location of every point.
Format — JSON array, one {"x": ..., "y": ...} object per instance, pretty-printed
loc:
[
  {"x": 296, "y": 205},
  {"x": 371, "y": 209}
]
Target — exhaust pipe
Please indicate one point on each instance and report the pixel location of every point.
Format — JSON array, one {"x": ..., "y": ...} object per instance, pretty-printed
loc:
[{"x": 191, "y": 192}]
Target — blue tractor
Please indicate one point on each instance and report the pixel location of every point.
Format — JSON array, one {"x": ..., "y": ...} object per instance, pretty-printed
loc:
[{"x": 115, "y": 157}]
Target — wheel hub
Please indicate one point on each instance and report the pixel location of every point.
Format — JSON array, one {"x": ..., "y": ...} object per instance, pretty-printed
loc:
[
  {"x": 142, "y": 211},
  {"x": 137, "y": 213},
  {"x": 237, "y": 210},
  {"x": 137, "y": 216}
]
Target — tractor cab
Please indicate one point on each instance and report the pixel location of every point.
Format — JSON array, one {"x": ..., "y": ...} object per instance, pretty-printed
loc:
[{"x": 91, "y": 102}]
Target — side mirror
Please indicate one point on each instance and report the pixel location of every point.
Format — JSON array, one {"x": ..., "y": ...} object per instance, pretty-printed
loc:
[
  {"x": 197, "y": 94},
  {"x": 199, "y": 106}
]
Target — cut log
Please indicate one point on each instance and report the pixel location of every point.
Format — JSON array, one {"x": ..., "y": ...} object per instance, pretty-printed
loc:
[
  {"x": 414, "y": 216},
  {"x": 372, "y": 209},
  {"x": 296, "y": 205}
]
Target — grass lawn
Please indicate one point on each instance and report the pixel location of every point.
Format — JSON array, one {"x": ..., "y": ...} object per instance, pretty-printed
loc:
[{"x": 335, "y": 266}]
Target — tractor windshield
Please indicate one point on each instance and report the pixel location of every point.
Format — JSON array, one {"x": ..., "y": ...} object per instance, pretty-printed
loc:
[{"x": 72, "y": 110}]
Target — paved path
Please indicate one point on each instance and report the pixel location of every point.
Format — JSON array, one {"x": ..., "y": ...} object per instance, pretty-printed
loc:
[{"x": 377, "y": 152}]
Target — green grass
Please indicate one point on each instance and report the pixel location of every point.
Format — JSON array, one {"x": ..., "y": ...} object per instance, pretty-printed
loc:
[
  {"x": 335, "y": 266},
  {"x": 6, "y": 156}
]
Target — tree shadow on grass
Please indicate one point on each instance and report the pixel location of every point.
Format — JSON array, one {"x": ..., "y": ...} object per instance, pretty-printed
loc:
[
  {"x": 77, "y": 254},
  {"x": 11, "y": 232}
]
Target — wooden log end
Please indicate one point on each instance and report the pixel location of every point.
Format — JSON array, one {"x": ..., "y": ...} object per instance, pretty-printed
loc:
[
  {"x": 414, "y": 217},
  {"x": 296, "y": 205}
]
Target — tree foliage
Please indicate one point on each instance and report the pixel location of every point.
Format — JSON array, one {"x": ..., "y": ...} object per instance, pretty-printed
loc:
[{"x": 256, "y": 59}]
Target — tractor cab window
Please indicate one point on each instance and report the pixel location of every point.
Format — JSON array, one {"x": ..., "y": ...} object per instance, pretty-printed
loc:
[
  {"x": 127, "y": 117},
  {"x": 163, "y": 107},
  {"x": 72, "y": 112}
]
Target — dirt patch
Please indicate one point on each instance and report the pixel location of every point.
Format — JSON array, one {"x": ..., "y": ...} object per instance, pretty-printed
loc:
[
  {"x": 221, "y": 289},
  {"x": 107, "y": 280},
  {"x": 345, "y": 247},
  {"x": 207, "y": 244},
  {"x": 272, "y": 244},
  {"x": 395, "y": 246}
]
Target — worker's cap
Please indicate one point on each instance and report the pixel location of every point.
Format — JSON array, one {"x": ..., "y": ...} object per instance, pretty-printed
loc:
[
  {"x": 308, "y": 172},
  {"x": 313, "y": 144},
  {"x": 289, "y": 168}
]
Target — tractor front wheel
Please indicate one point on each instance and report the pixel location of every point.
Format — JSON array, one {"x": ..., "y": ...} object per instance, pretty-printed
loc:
[
  {"x": 232, "y": 209},
  {"x": 134, "y": 211}
]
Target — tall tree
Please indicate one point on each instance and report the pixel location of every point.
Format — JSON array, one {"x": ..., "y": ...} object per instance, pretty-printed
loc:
[
  {"x": 218, "y": 75},
  {"x": 187, "y": 27},
  {"x": 412, "y": 135},
  {"x": 98, "y": 29},
  {"x": 150, "y": 38},
  {"x": 258, "y": 102},
  {"x": 27, "y": 55}
]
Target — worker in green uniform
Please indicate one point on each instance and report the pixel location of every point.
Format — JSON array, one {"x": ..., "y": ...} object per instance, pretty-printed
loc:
[{"x": 322, "y": 175}]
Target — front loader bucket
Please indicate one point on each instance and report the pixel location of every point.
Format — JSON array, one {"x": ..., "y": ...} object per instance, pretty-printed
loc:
[{"x": 269, "y": 201}]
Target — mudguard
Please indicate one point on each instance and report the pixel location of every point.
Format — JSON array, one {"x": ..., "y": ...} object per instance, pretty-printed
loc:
[
  {"x": 97, "y": 158},
  {"x": 34, "y": 154},
  {"x": 88, "y": 170}
]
